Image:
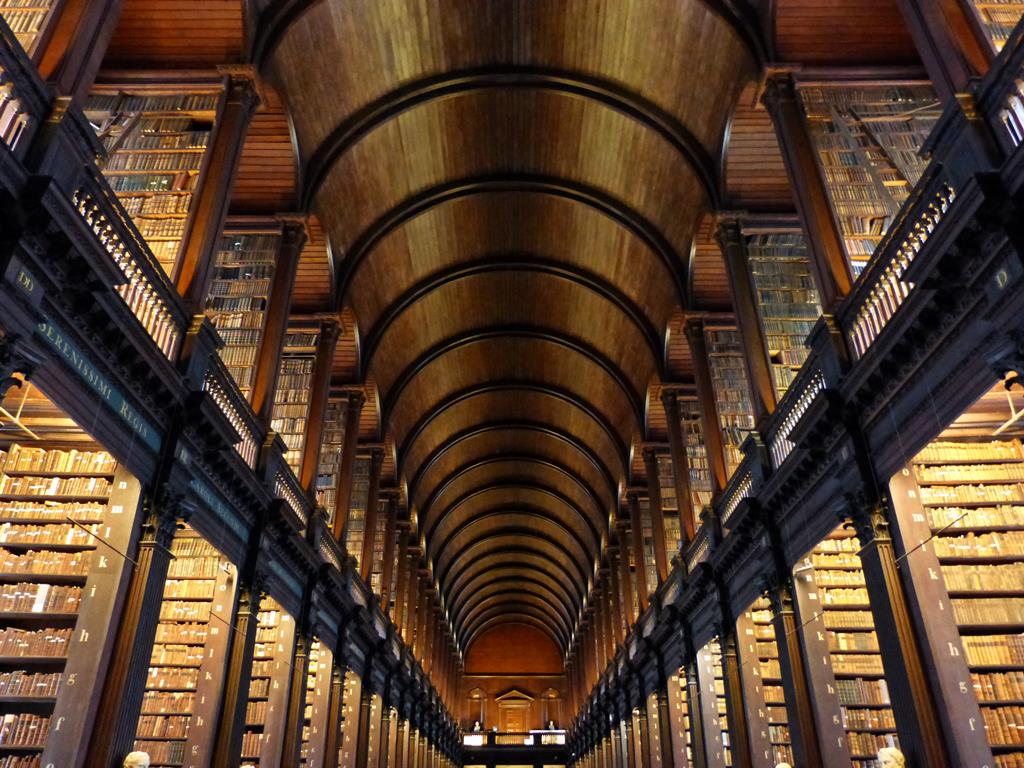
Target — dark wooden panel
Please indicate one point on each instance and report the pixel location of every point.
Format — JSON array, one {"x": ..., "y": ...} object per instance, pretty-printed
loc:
[
  {"x": 870, "y": 32},
  {"x": 174, "y": 34}
]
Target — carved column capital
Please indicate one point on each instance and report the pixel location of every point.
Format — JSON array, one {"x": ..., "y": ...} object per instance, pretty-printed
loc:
[
  {"x": 868, "y": 517},
  {"x": 779, "y": 87},
  {"x": 15, "y": 358}
]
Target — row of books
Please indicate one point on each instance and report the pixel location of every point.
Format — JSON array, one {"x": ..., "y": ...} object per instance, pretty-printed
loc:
[
  {"x": 856, "y": 664},
  {"x": 155, "y": 205},
  {"x": 20, "y": 458},
  {"x": 999, "y": 686},
  {"x": 34, "y": 685},
  {"x": 160, "y": 727},
  {"x": 970, "y": 473},
  {"x": 1008, "y": 544},
  {"x": 154, "y": 104},
  {"x": 155, "y": 161},
  {"x": 999, "y": 18},
  {"x": 41, "y": 535},
  {"x": 48, "y": 643},
  {"x": 162, "y": 678},
  {"x": 29, "y": 511},
  {"x": 1003, "y": 724},
  {"x": 861, "y": 691},
  {"x": 950, "y": 452},
  {"x": 29, "y": 485},
  {"x": 23, "y": 730},
  {"x": 195, "y": 589},
  {"x": 44, "y": 562},
  {"x": 1005, "y": 577},
  {"x": 975, "y": 517},
  {"x": 944, "y": 494},
  {"x": 39, "y": 598},
  {"x": 994, "y": 650},
  {"x": 869, "y": 719}
]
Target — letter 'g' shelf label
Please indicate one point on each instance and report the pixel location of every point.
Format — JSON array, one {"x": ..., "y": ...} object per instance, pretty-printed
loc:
[{"x": 73, "y": 356}]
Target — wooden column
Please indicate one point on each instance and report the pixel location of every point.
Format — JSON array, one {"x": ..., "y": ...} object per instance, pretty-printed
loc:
[
  {"x": 210, "y": 203},
  {"x": 951, "y": 42},
  {"x": 398, "y": 610},
  {"x": 828, "y": 253},
  {"x": 680, "y": 465},
  {"x": 616, "y": 735},
  {"x": 335, "y": 710},
  {"x": 637, "y": 530},
  {"x": 657, "y": 513},
  {"x": 71, "y": 56},
  {"x": 713, "y": 443},
  {"x": 739, "y": 735},
  {"x": 921, "y": 737},
  {"x": 803, "y": 731},
  {"x": 388, "y": 568},
  {"x": 384, "y": 753},
  {"x": 343, "y": 497},
  {"x": 237, "y": 676},
  {"x": 290, "y": 753},
  {"x": 363, "y": 729},
  {"x": 371, "y": 517},
  {"x": 320, "y": 392},
  {"x": 124, "y": 686},
  {"x": 401, "y": 741},
  {"x": 642, "y": 735},
  {"x": 664, "y": 741},
  {"x": 268, "y": 359},
  {"x": 625, "y": 580},
  {"x": 763, "y": 394}
]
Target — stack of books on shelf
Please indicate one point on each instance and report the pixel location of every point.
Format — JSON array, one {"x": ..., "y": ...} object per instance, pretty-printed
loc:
[
  {"x": 999, "y": 18},
  {"x": 715, "y": 651},
  {"x": 696, "y": 455},
  {"x": 669, "y": 504},
  {"x": 357, "y": 507},
  {"x": 330, "y": 455},
  {"x": 271, "y": 668},
  {"x": 27, "y": 19},
  {"x": 679, "y": 710},
  {"x": 312, "y": 681},
  {"x": 771, "y": 682},
  {"x": 45, "y": 565},
  {"x": 787, "y": 299},
  {"x": 853, "y": 647},
  {"x": 291, "y": 400},
  {"x": 377, "y": 570},
  {"x": 174, "y": 683},
  {"x": 869, "y": 139},
  {"x": 732, "y": 390},
  {"x": 650, "y": 564},
  {"x": 974, "y": 499},
  {"x": 239, "y": 294},
  {"x": 157, "y": 147}
]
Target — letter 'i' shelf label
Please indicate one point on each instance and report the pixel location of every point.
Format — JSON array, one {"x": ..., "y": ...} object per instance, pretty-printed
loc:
[{"x": 80, "y": 363}]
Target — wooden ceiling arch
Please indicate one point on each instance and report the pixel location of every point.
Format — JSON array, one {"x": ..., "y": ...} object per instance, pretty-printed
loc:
[
  {"x": 488, "y": 607},
  {"x": 479, "y": 512},
  {"x": 516, "y": 574},
  {"x": 509, "y": 192},
  {"x": 450, "y": 191},
  {"x": 497, "y": 438},
  {"x": 519, "y": 399},
  {"x": 500, "y": 472},
  {"x": 505, "y": 590},
  {"x": 519, "y": 564}
]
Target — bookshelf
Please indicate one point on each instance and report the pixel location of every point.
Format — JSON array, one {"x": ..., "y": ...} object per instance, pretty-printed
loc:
[
  {"x": 714, "y": 716},
  {"x": 186, "y": 669},
  {"x": 28, "y": 19},
  {"x": 766, "y": 659},
  {"x": 62, "y": 527},
  {"x": 868, "y": 139},
  {"x": 856, "y": 662},
  {"x": 669, "y": 505},
  {"x": 350, "y": 694},
  {"x": 679, "y": 712},
  {"x": 998, "y": 17},
  {"x": 318, "y": 689},
  {"x": 973, "y": 499},
  {"x": 156, "y": 145},
  {"x": 696, "y": 455},
  {"x": 650, "y": 565},
  {"x": 787, "y": 299},
  {"x": 291, "y": 399},
  {"x": 331, "y": 446},
  {"x": 732, "y": 390},
  {"x": 357, "y": 507},
  {"x": 377, "y": 569},
  {"x": 268, "y": 690},
  {"x": 239, "y": 294}
]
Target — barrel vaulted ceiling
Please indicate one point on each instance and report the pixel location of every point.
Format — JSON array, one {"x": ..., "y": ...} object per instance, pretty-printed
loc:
[{"x": 511, "y": 190}]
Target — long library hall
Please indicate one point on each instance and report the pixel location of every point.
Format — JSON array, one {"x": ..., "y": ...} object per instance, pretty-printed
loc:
[{"x": 512, "y": 384}]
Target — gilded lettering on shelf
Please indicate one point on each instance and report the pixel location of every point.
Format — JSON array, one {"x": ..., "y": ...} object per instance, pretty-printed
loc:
[{"x": 91, "y": 376}]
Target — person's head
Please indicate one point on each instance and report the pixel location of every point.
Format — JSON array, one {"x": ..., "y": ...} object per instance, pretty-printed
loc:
[
  {"x": 783, "y": 765},
  {"x": 136, "y": 760},
  {"x": 890, "y": 757}
]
